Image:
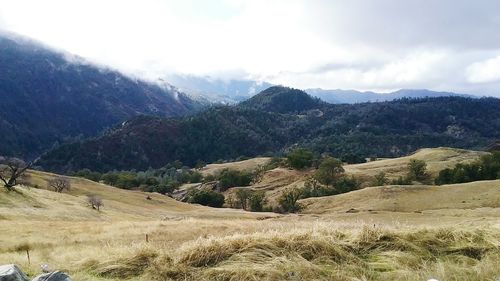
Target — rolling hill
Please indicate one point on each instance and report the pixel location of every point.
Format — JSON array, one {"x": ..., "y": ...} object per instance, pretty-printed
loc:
[
  {"x": 275, "y": 181},
  {"x": 258, "y": 127},
  {"x": 466, "y": 199},
  {"x": 389, "y": 232},
  {"x": 280, "y": 99},
  {"x": 48, "y": 97}
]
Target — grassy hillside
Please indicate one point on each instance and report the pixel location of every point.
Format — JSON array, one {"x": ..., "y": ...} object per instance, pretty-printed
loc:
[
  {"x": 419, "y": 198},
  {"x": 437, "y": 159},
  {"x": 119, "y": 204},
  {"x": 191, "y": 242},
  {"x": 274, "y": 181},
  {"x": 248, "y": 165}
]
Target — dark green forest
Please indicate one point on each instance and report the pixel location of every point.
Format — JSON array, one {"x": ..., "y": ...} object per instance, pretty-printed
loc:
[
  {"x": 48, "y": 97},
  {"x": 350, "y": 132}
]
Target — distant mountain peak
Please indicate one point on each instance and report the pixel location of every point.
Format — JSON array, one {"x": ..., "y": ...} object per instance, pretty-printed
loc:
[
  {"x": 282, "y": 99},
  {"x": 353, "y": 96}
]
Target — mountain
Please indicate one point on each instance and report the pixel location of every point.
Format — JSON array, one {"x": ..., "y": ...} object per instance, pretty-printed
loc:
[
  {"x": 281, "y": 99},
  {"x": 347, "y": 131},
  {"x": 147, "y": 141},
  {"x": 352, "y": 96},
  {"x": 47, "y": 96},
  {"x": 213, "y": 90}
]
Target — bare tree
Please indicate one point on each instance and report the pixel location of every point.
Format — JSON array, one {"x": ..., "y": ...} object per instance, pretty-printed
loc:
[
  {"x": 11, "y": 169},
  {"x": 94, "y": 201},
  {"x": 59, "y": 184}
]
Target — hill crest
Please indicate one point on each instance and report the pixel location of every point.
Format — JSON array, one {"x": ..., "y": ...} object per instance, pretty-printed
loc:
[{"x": 281, "y": 99}]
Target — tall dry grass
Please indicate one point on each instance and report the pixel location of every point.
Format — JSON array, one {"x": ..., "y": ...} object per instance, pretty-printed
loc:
[{"x": 322, "y": 252}]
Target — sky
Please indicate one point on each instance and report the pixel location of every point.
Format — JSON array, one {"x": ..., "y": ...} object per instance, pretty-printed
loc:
[{"x": 380, "y": 45}]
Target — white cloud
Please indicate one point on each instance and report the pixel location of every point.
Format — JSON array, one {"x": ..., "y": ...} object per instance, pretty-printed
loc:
[
  {"x": 484, "y": 71},
  {"x": 359, "y": 44}
]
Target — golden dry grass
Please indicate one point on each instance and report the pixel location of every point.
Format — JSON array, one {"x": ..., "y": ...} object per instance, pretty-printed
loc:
[
  {"x": 431, "y": 234},
  {"x": 437, "y": 159},
  {"x": 414, "y": 198},
  {"x": 289, "y": 248},
  {"x": 275, "y": 181},
  {"x": 245, "y": 165}
]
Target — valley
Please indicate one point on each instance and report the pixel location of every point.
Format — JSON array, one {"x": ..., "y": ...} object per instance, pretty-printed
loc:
[{"x": 373, "y": 233}]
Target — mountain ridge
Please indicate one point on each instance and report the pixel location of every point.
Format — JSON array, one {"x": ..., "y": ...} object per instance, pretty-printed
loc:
[
  {"x": 48, "y": 96},
  {"x": 336, "y": 96},
  {"x": 282, "y": 99},
  {"x": 392, "y": 128}
]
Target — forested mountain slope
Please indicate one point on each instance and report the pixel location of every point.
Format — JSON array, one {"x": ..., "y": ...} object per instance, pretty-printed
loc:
[
  {"x": 47, "y": 96},
  {"x": 351, "y": 132}
]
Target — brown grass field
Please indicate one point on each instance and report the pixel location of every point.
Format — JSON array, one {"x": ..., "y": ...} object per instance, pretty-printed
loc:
[{"x": 378, "y": 233}]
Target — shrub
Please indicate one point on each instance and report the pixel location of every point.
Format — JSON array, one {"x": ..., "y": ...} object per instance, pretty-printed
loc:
[
  {"x": 94, "y": 201},
  {"x": 347, "y": 184},
  {"x": 88, "y": 174},
  {"x": 289, "y": 198},
  {"x": 231, "y": 178},
  {"x": 380, "y": 179},
  {"x": 486, "y": 168},
  {"x": 417, "y": 170},
  {"x": 206, "y": 197},
  {"x": 401, "y": 181},
  {"x": 256, "y": 201}
]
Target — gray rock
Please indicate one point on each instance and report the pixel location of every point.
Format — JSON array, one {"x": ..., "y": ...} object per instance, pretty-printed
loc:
[
  {"x": 11, "y": 272},
  {"x": 53, "y": 276}
]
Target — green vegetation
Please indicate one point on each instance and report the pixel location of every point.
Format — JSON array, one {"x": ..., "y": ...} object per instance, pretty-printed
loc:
[
  {"x": 281, "y": 99},
  {"x": 231, "y": 178},
  {"x": 487, "y": 168},
  {"x": 289, "y": 198},
  {"x": 329, "y": 171},
  {"x": 47, "y": 101},
  {"x": 380, "y": 179},
  {"x": 256, "y": 201},
  {"x": 247, "y": 199},
  {"x": 392, "y": 129},
  {"x": 163, "y": 180},
  {"x": 300, "y": 158},
  {"x": 206, "y": 197},
  {"x": 329, "y": 179},
  {"x": 417, "y": 170}
]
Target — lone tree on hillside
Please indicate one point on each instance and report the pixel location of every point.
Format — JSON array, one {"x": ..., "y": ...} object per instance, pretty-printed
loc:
[
  {"x": 242, "y": 195},
  {"x": 94, "y": 201},
  {"x": 417, "y": 170},
  {"x": 329, "y": 171},
  {"x": 289, "y": 198},
  {"x": 380, "y": 179},
  {"x": 59, "y": 184},
  {"x": 11, "y": 169}
]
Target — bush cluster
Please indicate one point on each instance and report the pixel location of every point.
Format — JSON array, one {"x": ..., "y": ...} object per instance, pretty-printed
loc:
[
  {"x": 487, "y": 168},
  {"x": 163, "y": 180}
]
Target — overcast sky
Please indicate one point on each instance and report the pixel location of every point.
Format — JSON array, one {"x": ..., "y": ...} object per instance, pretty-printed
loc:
[{"x": 382, "y": 45}]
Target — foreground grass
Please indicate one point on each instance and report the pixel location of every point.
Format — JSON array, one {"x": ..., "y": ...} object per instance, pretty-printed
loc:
[
  {"x": 194, "y": 249},
  {"x": 322, "y": 253}
]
